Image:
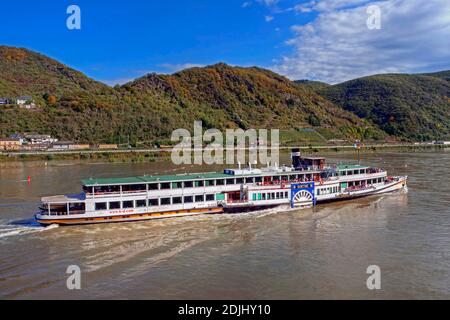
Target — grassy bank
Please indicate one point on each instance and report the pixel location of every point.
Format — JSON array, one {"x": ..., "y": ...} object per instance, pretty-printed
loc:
[
  {"x": 140, "y": 156},
  {"x": 116, "y": 157}
]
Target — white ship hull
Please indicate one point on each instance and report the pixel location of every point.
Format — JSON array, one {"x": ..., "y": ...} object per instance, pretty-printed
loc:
[{"x": 234, "y": 191}]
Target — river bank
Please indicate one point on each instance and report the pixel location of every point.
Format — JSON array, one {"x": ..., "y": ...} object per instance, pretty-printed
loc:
[{"x": 151, "y": 155}]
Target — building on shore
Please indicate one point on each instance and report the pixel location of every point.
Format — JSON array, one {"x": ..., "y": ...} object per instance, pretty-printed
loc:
[
  {"x": 23, "y": 100},
  {"x": 18, "y": 136},
  {"x": 4, "y": 101},
  {"x": 40, "y": 139},
  {"x": 9, "y": 144}
]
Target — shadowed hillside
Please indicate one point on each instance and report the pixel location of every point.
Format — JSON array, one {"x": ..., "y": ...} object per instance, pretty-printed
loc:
[
  {"x": 74, "y": 107},
  {"x": 410, "y": 106}
]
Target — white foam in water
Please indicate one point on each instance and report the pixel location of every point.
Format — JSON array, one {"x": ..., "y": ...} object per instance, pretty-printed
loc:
[{"x": 10, "y": 230}]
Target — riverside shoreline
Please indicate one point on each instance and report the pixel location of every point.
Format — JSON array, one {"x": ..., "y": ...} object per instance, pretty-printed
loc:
[{"x": 151, "y": 155}]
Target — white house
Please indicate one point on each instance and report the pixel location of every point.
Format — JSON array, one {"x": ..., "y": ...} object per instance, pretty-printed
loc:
[
  {"x": 23, "y": 100},
  {"x": 40, "y": 139}
]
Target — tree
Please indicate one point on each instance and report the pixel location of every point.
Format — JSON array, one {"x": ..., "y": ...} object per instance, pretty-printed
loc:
[{"x": 52, "y": 100}]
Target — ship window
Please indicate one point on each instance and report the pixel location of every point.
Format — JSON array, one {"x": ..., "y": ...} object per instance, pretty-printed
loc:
[
  {"x": 165, "y": 201},
  {"x": 128, "y": 204},
  {"x": 114, "y": 205},
  {"x": 264, "y": 196},
  {"x": 210, "y": 197},
  {"x": 100, "y": 206},
  {"x": 286, "y": 194},
  {"x": 153, "y": 186},
  {"x": 165, "y": 186},
  {"x": 209, "y": 183},
  {"x": 230, "y": 182},
  {"x": 188, "y": 184},
  {"x": 153, "y": 202},
  {"x": 220, "y": 182},
  {"x": 177, "y": 185},
  {"x": 199, "y": 198},
  {"x": 177, "y": 200},
  {"x": 239, "y": 181},
  {"x": 258, "y": 179},
  {"x": 199, "y": 184},
  {"x": 254, "y": 197},
  {"x": 134, "y": 188},
  {"x": 249, "y": 180},
  {"x": 141, "y": 204},
  {"x": 77, "y": 208},
  {"x": 188, "y": 199}
]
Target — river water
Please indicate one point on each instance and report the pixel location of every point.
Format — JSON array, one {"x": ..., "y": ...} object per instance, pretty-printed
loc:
[{"x": 320, "y": 253}]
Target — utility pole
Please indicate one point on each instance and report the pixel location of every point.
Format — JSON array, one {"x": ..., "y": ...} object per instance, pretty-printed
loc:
[{"x": 358, "y": 148}]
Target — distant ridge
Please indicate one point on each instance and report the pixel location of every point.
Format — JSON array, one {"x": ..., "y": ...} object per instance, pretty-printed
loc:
[{"x": 75, "y": 107}]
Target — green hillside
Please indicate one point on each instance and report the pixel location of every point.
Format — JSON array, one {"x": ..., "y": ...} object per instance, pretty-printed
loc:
[
  {"x": 77, "y": 108},
  {"x": 408, "y": 106}
]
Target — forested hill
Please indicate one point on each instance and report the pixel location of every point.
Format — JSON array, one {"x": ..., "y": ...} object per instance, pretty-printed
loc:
[
  {"x": 411, "y": 106},
  {"x": 77, "y": 108}
]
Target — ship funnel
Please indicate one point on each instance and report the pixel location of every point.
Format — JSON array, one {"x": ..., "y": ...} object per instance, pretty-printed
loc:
[{"x": 296, "y": 158}]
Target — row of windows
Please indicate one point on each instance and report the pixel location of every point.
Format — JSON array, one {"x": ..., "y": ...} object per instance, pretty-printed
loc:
[
  {"x": 361, "y": 171},
  {"x": 270, "y": 196},
  {"x": 329, "y": 190},
  {"x": 115, "y": 205},
  {"x": 370, "y": 181},
  {"x": 195, "y": 184}
]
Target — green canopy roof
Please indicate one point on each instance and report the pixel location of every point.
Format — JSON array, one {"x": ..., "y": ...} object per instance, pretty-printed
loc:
[{"x": 147, "y": 179}]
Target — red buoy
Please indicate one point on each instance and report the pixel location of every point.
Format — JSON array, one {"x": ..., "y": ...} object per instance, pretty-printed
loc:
[{"x": 29, "y": 179}]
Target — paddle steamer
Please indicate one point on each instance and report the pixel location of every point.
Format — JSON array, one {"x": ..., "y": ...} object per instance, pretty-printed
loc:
[{"x": 303, "y": 185}]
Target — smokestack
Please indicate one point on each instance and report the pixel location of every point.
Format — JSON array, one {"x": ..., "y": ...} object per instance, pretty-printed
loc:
[{"x": 296, "y": 156}]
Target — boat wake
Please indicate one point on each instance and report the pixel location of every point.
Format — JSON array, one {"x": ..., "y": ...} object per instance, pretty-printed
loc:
[{"x": 20, "y": 228}]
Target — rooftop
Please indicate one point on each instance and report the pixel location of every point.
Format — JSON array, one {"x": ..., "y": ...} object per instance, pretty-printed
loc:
[
  {"x": 195, "y": 176},
  {"x": 146, "y": 179}
]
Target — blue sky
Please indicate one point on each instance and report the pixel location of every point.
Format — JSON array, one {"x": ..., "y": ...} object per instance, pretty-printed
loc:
[{"x": 322, "y": 39}]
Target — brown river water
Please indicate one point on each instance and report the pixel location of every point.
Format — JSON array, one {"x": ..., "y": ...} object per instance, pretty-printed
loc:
[{"x": 320, "y": 253}]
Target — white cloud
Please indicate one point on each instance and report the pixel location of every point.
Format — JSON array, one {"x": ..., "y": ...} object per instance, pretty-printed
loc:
[
  {"x": 328, "y": 5},
  {"x": 119, "y": 81},
  {"x": 171, "y": 68},
  {"x": 246, "y": 4},
  {"x": 268, "y": 3},
  {"x": 338, "y": 45},
  {"x": 269, "y": 18}
]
